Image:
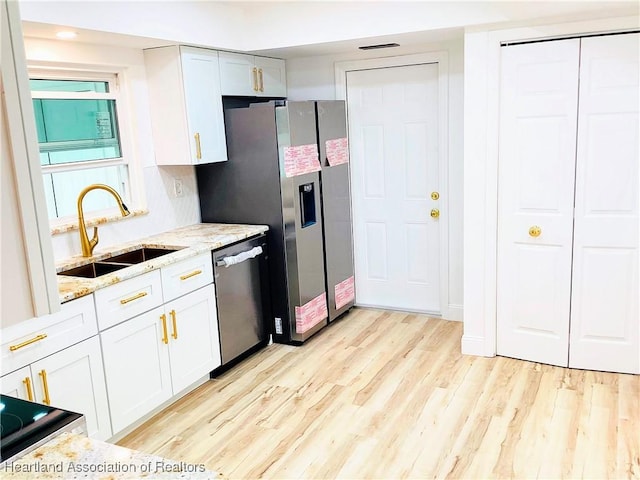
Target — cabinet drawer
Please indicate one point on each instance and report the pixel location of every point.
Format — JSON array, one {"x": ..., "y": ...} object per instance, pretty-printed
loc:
[
  {"x": 34, "y": 339},
  {"x": 186, "y": 276},
  {"x": 127, "y": 299}
]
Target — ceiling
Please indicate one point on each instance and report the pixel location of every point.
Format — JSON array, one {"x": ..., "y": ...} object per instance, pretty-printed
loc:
[
  {"x": 408, "y": 40},
  {"x": 299, "y": 28}
]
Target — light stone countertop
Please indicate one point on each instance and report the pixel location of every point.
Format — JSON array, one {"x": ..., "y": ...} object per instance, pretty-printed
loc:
[
  {"x": 191, "y": 240},
  {"x": 75, "y": 456}
]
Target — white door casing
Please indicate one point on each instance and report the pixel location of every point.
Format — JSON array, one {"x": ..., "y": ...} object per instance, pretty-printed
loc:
[
  {"x": 605, "y": 319},
  {"x": 539, "y": 89},
  {"x": 393, "y": 131}
]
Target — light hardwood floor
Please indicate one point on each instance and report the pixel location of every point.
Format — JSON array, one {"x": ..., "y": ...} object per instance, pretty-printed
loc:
[{"x": 388, "y": 395}]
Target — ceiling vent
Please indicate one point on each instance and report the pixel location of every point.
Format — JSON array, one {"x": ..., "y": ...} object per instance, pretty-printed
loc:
[{"x": 381, "y": 45}]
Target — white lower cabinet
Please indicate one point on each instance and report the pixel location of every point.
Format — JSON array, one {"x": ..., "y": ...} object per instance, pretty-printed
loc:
[
  {"x": 71, "y": 379},
  {"x": 153, "y": 356},
  {"x": 194, "y": 349},
  {"x": 18, "y": 384},
  {"x": 136, "y": 363}
]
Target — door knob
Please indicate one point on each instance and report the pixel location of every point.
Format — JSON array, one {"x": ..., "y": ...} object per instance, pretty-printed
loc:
[
  {"x": 435, "y": 195},
  {"x": 435, "y": 213},
  {"x": 535, "y": 231}
]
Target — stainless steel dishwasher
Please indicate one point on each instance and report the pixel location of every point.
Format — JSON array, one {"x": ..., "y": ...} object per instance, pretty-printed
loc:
[{"x": 243, "y": 297}]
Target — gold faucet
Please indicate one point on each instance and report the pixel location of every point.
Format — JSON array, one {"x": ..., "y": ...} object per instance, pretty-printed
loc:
[{"x": 89, "y": 245}]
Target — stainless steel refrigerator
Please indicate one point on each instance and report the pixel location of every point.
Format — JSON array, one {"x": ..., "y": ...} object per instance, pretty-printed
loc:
[{"x": 288, "y": 168}]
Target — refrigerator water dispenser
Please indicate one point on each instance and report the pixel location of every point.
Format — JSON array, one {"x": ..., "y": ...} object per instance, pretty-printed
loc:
[{"x": 307, "y": 205}]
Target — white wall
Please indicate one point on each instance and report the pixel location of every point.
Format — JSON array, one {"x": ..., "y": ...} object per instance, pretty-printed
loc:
[
  {"x": 481, "y": 125},
  {"x": 313, "y": 78},
  {"x": 156, "y": 183}
]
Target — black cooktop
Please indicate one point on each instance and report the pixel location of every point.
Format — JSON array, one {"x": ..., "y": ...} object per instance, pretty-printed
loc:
[{"x": 25, "y": 423}]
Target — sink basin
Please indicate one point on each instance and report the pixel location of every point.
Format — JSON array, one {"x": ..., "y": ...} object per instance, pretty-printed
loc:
[
  {"x": 141, "y": 255},
  {"x": 124, "y": 260},
  {"x": 93, "y": 270}
]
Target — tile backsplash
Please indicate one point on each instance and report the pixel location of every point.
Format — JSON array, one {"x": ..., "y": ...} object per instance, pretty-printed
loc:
[{"x": 166, "y": 212}]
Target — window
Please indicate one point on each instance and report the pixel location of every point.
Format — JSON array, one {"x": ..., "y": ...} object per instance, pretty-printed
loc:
[{"x": 79, "y": 138}]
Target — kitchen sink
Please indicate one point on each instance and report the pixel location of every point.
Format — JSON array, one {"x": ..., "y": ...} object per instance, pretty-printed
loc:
[
  {"x": 113, "y": 264},
  {"x": 93, "y": 270},
  {"x": 141, "y": 255}
]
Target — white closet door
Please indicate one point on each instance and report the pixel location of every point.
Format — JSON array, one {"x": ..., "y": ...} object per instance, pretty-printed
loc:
[
  {"x": 539, "y": 95},
  {"x": 604, "y": 310}
]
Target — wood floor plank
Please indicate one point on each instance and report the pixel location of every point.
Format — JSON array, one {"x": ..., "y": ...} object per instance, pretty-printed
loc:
[{"x": 388, "y": 395}]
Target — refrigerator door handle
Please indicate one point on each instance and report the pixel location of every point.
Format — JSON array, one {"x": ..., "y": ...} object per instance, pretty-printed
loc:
[{"x": 239, "y": 258}]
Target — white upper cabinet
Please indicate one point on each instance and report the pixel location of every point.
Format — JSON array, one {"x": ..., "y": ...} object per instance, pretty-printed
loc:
[
  {"x": 248, "y": 75},
  {"x": 186, "y": 105}
]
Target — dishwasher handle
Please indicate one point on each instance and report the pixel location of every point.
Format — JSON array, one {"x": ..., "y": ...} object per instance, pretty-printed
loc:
[{"x": 239, "y": 258}]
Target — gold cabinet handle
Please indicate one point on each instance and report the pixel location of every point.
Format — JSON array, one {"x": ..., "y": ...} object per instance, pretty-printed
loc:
[
  {"x": 435, "y": 195},
  {"x": 435, "y": 213},
  {"x": 198, "y": 147},
  {"x": 255, "y": 79},
  {"x": 189, "y": 275},
  {"x": 261, "y": 80},
  {"x": 165, "y": 335},
  {"x": 45, "y": 386},
  {"x": 35, "y": 339},
  {"x": 175, "y": 325},
  {"x": 27, "y": 385},
  {"x": 535, "y": 231},
  {"x": 124, "y": 301}
]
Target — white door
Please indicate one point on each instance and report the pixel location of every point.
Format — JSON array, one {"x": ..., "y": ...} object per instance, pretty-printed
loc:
[
  {"x": 136, "y": 363},
  {"x": 604, "y": 308},
  {"x": 75, "y": 381},
  {"x": 536, "y": 173},
  {"x": 393, "y": 135},
  {"x": 194, "y": 349}
]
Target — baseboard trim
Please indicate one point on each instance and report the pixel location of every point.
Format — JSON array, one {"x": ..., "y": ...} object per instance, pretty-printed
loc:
[
  {"x": 138, "y": 423},
  {"x": 472, "y": 345},
  {"x": 394, "y": 309},
  {"x": 455, "y": 313}
]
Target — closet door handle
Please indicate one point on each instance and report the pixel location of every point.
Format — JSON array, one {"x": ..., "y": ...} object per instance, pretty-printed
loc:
[{"x": 535, "y": 231}]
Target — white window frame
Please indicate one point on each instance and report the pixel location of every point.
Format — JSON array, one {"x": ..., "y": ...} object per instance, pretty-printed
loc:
[{"x": 114, "y": 78}]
